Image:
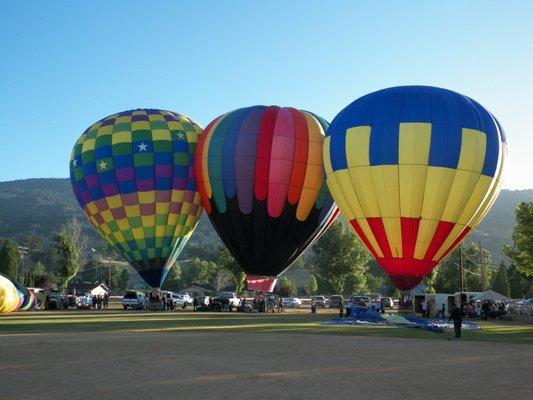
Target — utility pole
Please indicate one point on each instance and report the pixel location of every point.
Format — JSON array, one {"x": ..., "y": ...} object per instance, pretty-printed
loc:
[
  {"x": 461, "y": 272},
  {"x": 483, "y": 272}
]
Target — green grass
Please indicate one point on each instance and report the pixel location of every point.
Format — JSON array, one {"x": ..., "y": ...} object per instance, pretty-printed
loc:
[{"x": 111, "y": 321}]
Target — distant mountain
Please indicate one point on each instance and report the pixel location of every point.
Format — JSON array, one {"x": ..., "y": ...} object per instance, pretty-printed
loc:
[{"x": 40, "y": 206}]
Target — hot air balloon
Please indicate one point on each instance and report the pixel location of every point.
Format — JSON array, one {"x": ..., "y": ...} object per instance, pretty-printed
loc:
[
  {"x": 414, "y": 169},
  {"x": 260, "y": 176},
  {"x": 11, "y": 298},
  {"x": 133, "y": 176}
]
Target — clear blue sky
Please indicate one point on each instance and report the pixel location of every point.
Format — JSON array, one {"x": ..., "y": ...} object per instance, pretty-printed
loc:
[{"x": 64, "y": 65}]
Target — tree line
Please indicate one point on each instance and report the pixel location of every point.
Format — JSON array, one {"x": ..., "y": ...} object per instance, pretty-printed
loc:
[{"x": 338, "y": 263}]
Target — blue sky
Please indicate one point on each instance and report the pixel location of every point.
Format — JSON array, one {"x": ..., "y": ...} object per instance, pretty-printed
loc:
[{"x": 66, "y": 64}]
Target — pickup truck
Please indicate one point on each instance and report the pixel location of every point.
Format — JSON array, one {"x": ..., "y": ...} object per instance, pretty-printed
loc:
[
  {"x": 134, "y": 300},
  {"x": 224, "y": 300}
]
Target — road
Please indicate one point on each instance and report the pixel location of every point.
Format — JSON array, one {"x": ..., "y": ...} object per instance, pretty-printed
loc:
[{"x": 252, "y": 365}]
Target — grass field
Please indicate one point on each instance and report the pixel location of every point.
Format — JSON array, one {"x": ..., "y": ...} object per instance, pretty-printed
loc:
[{"x": 291, "y": 322}]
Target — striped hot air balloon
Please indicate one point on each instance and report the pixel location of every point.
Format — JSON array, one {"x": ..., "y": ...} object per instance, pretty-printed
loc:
[
  {"x": 414, "y": 169},
  {"x": 133, "y": 175},
  {"x": 261, "y": 180}
]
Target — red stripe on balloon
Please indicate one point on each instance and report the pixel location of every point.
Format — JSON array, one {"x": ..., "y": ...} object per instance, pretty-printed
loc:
[
  {"x": 264, "y": 147},
  {"x": 376, "y": 224},
  {"x": 409, "y": 228},
  {"x": 363, "y": 237},
  {"x": 300, "y": 156},
  {"x": 441, "y": 233}
]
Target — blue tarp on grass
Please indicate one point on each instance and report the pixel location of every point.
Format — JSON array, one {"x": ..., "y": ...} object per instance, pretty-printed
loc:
[{"x": 366, "y": 316}]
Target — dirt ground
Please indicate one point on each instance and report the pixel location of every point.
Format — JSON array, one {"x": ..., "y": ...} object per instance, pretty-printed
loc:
[{"x": 253, "y": 365}]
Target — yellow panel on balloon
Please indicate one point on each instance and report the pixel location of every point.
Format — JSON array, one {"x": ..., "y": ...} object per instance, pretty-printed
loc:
[
  {"x": 439, "y": 180},
  {"x": 363, "y": 184},
  {"x": 412, "y": 180},
  {"x": 414, "y": 142},
  {"x": 336, "y": 190},
  {"x": 462, "y": 188},
  {"x": 357, "y": 145},
  {"x": 385, "y": 179},
  {"x": 473, "y": 149},
  {"x": 393, "y": 230}
]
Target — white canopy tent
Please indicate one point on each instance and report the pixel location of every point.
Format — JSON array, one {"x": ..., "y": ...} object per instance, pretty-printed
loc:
[{"x": 490, "y": 295}]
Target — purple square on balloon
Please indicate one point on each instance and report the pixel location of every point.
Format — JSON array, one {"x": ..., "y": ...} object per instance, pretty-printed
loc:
[
  {"x": 118, "y": 213},
  {"x": 163, "y": 171},
  {"x": 130, "y": 199},
  {"x": 147, "y": 209},
  {"x": 125, "y": 174},
  {"x": 145, "y": 185},
  {"x": 179, "y": 183},
  {"x": 92, "y": 181},
  {"x": 110, "y": 189}
]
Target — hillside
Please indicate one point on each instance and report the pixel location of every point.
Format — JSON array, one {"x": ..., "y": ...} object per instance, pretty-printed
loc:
[{"x": 40, "y": 206}]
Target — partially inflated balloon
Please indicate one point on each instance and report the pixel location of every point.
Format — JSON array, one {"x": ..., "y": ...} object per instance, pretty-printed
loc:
[
  {"x": 414, "y": 169},
  {"x": 10, "y": 296},
  {"x": 133, "y": 175},
  {"x": 259, "y": 172}
]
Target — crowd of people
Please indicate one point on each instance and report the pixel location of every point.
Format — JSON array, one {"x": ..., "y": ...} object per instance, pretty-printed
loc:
[{"x": 100, "y": 302}]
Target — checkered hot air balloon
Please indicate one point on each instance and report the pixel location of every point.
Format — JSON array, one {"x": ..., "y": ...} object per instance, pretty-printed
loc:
[
  {"x": 261, "y": 179},
  {"x": 414, "y": 169},
  {"x": 133, "y": 175}
]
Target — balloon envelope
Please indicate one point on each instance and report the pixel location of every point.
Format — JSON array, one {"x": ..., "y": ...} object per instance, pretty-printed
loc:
[
  {"x": 414, "y": 169},
  {"x": 10, "y": 297},
  {"x": 133, "y": 175},
  {"x": 260, "y": 175}
]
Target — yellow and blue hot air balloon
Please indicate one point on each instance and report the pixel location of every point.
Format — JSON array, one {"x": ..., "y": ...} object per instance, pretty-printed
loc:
[
  {"x": 133, "y": 175},
  {"x": 414, "y": 169}
]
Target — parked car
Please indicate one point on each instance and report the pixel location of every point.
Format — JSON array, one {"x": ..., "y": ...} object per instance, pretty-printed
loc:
[
  {"x": 134, "y": 300},
  {"x": 230, "y": 297},
  {"x": 320, "y": 301},
  {"x": 179, "y": 300},
  {"x": 84, "y": 300},
  {"x": 334, "y": 301},
  {"x": 203, "y": 303},
  {"x": 292, "y": 302},
  {"x": 186, "y": 298},
  {"x": 361, "y": 301},
  {"x": 527, "y": 307},
  {"x": 56, "y": 300}
]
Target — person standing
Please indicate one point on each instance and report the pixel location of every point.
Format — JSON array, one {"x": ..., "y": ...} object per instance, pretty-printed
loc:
[
  {"x": 457, "y": 315},
  {"x": 423, "y": 304},
  {"x": 280, "y": 305},
  {"x": 341, "y": 308},
  {"x": 313, "y": 306},
  {"x": 195, "y": 303},
  {"x": 106, "y": 300}
]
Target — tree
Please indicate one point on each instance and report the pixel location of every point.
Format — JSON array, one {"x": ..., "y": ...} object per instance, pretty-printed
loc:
[
  {"x": 226, "y": 261},
  {"x": 123, "y": 280},
  {"x": 197, "y": 272},
  {"x": 521, "y": 253},
  {"x": 174, "y": 280},
  {"x": 221, "y": 279},
  {"x": 448, "y": 279},
  {"x": 286, "y": 287},
  {"x": 339, "y": 254},
  {"x": 9, "y": 259},
  {"x": 355, "y": 284},
  {"x": 41, "y": 277},
  {"x": 312, "y": 286},
  {"x": 500, "y": 282},
  {"x": 67, "y": 258}
]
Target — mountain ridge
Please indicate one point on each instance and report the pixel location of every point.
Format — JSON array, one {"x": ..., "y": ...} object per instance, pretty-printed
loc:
[{"x": 39, "y": 206}]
